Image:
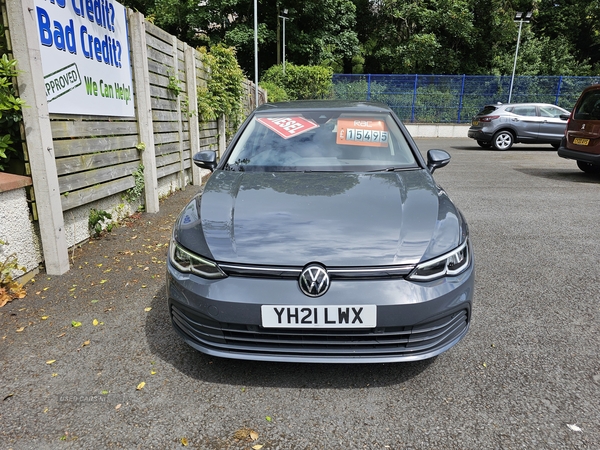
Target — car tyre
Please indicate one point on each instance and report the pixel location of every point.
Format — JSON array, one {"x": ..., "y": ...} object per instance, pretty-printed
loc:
[
  {"x": 484, "y": 144},
  {"x": 503, "y": 140},
  {"x": 555, "y": 145},
  {"x": 589, "y": 167}
]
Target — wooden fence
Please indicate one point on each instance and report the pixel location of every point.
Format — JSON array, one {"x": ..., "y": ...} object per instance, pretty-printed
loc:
[{"x": 95, "y": 157}]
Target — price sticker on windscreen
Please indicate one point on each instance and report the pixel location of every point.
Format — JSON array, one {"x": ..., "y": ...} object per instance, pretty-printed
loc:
[
  {"x": 373, "y": 133},
  {"x": 288, "y": 127}
]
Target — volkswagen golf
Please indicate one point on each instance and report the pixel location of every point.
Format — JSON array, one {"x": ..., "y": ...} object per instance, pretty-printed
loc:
[{"x": 321, "y": 236}]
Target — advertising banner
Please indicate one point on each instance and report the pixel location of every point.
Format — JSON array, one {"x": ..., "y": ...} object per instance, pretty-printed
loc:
[{"x": 85, "y": 57}]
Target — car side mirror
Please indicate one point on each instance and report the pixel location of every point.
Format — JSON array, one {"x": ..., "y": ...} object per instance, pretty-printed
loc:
[
  {"x": 565, "y": 116},
  {"x": 206, "y": 160},
  {"x": 436, "y": 159}
]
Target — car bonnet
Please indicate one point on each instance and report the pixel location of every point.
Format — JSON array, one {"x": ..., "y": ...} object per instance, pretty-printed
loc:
[{"x": 338, "y": 219}]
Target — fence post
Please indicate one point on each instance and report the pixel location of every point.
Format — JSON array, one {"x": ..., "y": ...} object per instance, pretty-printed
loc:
[
  {"x": 221, "y": 128},
  {"x": 26, "y": 49},
  {"x": 192, "y": 95},
  {"x": 141, "y": 80},
  {"x": 414, "y": 103},
  {"x": 558, "y": 90},
  {"x": 460, "y": 100},
  {"x": 181, "y": 175}
]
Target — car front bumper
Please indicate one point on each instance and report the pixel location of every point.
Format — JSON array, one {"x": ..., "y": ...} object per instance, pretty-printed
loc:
[{"x": 414, "y": 320}]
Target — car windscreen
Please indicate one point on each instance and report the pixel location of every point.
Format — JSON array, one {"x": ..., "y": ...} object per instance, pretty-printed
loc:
[
  {"x": 321, "y": 141},
  {"x": 589, "y": 106}
]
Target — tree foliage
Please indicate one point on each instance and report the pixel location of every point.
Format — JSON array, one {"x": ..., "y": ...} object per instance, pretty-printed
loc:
[{"x": 402, "y": 36}]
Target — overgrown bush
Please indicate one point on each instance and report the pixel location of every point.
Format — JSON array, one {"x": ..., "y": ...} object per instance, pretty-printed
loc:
[
  {"x": 225, "y": 86},
  {"x": 10, "y": 106},
  {"x": 274, "y": 93},
  {"x": 301, "y": 82}
]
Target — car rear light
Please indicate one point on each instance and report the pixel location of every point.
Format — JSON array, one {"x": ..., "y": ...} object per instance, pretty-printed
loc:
[{"x": 488, "y": 118}]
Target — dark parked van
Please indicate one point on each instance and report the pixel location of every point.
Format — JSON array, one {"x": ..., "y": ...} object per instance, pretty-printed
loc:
[{"x": 582, "y": 135}]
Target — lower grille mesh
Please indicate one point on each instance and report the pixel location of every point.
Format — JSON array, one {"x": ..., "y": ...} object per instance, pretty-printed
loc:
[{"x": 384, "y": 342}]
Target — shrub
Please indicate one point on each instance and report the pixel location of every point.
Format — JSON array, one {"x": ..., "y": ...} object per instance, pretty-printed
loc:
[
  {"x": 275, "y": 93},
  {"x": 301, "y": 82}
]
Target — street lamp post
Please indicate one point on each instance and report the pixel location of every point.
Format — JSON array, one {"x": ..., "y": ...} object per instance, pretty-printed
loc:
[
  {"x": 284, "y": 17},
  {"x": 520, "y": 19},
  {"x": 256, "y": 53}
]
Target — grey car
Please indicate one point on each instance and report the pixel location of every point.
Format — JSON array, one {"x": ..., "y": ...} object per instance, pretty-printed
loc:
[
  {"x": 321, "y": 236},
  {"x": 502, "y": 125}
]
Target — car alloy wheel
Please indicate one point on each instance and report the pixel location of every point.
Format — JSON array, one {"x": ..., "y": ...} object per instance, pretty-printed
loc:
[{"x": 502, "y": 140}]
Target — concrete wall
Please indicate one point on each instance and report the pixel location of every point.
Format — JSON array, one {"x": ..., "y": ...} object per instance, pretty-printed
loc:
[
  {"x": 17, "y": 230},
  {"x": 431, "y": 130}
]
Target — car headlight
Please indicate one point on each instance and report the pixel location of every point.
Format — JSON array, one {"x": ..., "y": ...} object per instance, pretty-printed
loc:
[
  {"x": 450, "y": 264},
  {"x": 188, "y": 262}
]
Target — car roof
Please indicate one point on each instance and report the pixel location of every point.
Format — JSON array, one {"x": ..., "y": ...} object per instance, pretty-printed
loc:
[
  {"x": 323, "y": 105},
  {"x": 498, "y": 105}
]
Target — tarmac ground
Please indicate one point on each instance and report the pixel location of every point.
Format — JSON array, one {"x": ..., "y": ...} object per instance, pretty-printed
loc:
[{"x": 89, "y": 359}]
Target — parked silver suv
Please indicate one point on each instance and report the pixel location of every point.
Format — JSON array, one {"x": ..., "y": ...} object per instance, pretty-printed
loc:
[{"x": 503, "y": 125}]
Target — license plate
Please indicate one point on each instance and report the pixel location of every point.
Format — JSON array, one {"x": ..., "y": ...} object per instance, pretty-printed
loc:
[
  {"x": 475, "y": 123},
  {"x": 319, "y": 316},
  {"x": 581, "y": 141}
]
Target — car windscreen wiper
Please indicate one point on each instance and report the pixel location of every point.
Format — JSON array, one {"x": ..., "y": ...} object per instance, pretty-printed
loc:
[{"x": 391, "y": 169}]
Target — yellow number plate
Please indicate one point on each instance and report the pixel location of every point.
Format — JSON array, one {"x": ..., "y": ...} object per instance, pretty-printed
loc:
[{"x": 580, "y": 141}]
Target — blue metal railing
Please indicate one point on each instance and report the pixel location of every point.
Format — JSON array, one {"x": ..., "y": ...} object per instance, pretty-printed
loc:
[{"x": 456, "y": 98}]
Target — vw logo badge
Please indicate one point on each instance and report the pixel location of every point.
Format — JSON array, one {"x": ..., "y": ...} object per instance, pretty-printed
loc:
[{"x": 314, "y": 280}]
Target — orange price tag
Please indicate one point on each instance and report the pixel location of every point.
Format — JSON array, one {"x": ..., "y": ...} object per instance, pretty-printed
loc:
[{"x": 364, "y": 132}]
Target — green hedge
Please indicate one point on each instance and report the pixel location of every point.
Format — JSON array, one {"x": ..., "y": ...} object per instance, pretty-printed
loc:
[{"x": 300, "y": 82}]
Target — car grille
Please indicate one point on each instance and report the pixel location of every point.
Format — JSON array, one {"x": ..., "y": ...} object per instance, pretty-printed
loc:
[{"x": 388, "y": 342}]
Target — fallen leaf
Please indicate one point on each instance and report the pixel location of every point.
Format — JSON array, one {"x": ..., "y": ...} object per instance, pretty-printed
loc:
[
  {"x": 257, "y": 447},
  {"x": 95, "y": 322},
  {"x": 103, "y": 281},
  {"x": 94, "y": 301},
  {"x": 141, "y": 386},
  {"x": 75, "y": 324},
  {"x": 269, "y": 418},
  {"x": 54, "y": 374},
  {"x": 573, "y": 427},
  {"x": 118, "y": 406},
  {"x": 61, "y": 335},
  {"x": 148, "y": 309},
  {"x": 104, "y": 392},
  {"x": 50, "y": 361},
  {"x": 184, "y": 442},
  {"x": 45, "y": 317},
  {"x": 85, "y": 343},
  {"x": 153, "y": 372},
  {"x": 253, "y": 435},
  {"x": 20, "y": 329}
]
